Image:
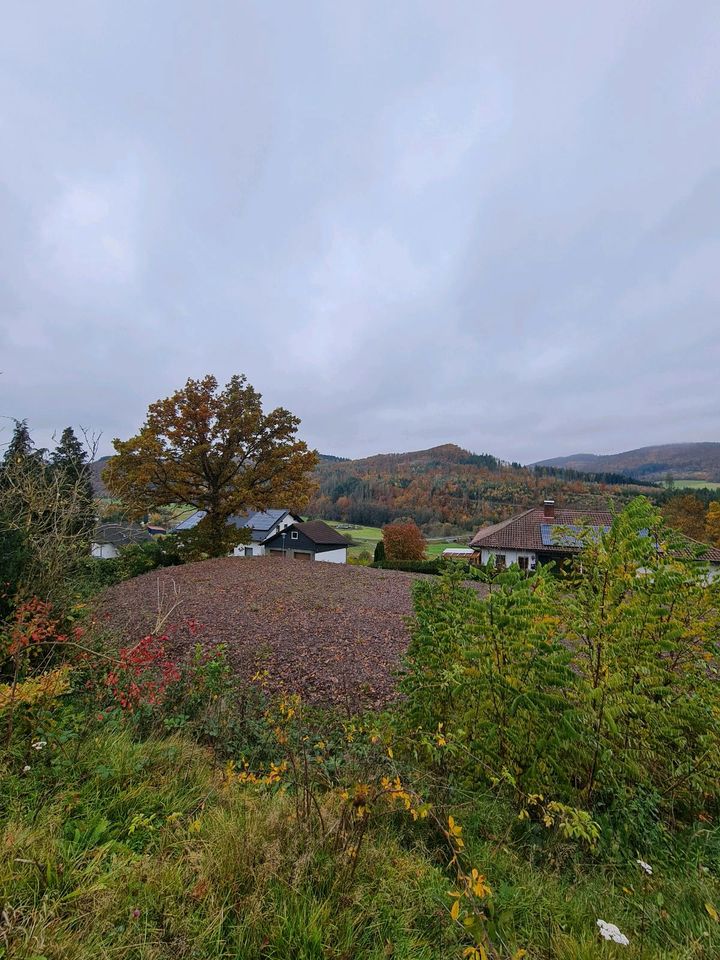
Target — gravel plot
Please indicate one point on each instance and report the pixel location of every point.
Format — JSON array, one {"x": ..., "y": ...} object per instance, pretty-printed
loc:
[{"x": 331, "y": 632}]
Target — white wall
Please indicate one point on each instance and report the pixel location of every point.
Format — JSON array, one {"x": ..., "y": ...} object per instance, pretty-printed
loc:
[
  {"x": 258, "y": 550},
  {"x": 511, "y": 556},
  {"x": 333, "y": 556},
  {"x": 104, "y": 551}
]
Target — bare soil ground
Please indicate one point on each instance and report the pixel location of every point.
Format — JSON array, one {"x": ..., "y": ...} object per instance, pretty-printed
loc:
[{"x": 333, "y": 633}]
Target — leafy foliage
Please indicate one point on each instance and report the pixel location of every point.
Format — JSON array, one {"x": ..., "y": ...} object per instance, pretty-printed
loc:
[
  {"x": 46, "y": 516},
  {"x": 600, "y": 690},
  {"x": 712, "y": 524},
  {"x": 404, "y": 542},
  {"x": 215, "y": 450}
]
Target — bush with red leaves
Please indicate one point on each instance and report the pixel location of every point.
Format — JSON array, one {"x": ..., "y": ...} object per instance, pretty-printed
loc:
[{"x": 143, "y": 674}]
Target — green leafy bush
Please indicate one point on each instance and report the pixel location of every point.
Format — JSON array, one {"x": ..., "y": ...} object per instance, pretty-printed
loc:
[{"x": 600, "y": 690}]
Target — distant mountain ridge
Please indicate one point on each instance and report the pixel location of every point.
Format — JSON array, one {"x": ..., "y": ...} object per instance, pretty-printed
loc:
[
  {"x": 689, "y": 461},
  {"x": 447, "y": 489}
]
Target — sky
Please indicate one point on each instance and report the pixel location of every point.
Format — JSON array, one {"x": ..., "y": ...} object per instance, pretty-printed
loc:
[{"x": 492, "y": 224}]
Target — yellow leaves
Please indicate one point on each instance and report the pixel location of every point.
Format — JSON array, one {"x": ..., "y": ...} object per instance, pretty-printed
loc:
[
  {"x": 46, "y": 686},
  {"x": 440, "y": 738},
  {"x": 478, "y": 884},
  {"x": 477, "y": 952},
  {"x": 454, "y": 833},
  {"x": 246, "y": 776},
  {"x": 712, "y": 912},
  {"x": 195, "y": 826},
  {"x": 519, "y": 954},
  {"x": 523, "y": 815},
  {"x": 455, "y": 909}
]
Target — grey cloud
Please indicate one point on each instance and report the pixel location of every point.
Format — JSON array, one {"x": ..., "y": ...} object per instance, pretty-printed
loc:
[{"x": 411, "y": 223}]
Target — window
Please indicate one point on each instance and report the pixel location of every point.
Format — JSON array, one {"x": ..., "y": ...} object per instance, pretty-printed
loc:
[
  {"x": 248, "y": 551},
  {"x": 294, "y": 535},
  {"x": 500, "y": 561},
  {"x": 524, "y": 563}
]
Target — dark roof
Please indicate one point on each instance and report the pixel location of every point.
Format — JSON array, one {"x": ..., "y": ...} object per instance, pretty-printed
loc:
[
  {"x": 532, "y": 530},
  {"x": 320, "y": 533},
  {"x": 260, "y": 522},
  {"x": 120, "y": 534},
  {"x": 189, "y": 522}
]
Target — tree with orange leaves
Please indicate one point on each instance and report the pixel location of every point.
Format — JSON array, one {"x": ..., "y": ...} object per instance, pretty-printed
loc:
[
  {"x": 403, "y": 542},
  {"x": 215, "y": 450},
  {"x": 712, "y": 524}
]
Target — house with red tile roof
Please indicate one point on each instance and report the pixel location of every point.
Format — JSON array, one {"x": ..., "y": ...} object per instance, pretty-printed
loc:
[{"x": 544, "y": 534}]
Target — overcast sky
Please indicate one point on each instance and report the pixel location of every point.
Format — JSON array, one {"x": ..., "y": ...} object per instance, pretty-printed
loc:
[{"x": 495, "y": 224}]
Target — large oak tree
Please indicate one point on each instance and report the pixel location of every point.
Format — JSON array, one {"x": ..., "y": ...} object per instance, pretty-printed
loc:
[{"x": 215, "y": 450}]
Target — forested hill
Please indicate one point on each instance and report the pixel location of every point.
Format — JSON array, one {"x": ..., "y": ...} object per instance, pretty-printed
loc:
[
  {"x": 690, "y": 461},
  {"x": 447, "y": 489}
]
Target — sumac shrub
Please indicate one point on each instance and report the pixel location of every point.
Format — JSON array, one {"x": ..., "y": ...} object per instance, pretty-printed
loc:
[{"x": 601, "y": 689}]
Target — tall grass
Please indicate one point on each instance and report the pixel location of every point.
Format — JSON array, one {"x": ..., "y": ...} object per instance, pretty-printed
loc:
[{"x": 138, "y": 850}]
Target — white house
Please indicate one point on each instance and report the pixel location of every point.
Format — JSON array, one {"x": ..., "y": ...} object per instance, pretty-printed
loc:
[
  {"x": 530, "y": 538},
  {"x": 262, "y": 524},
  {"x": 312, "y": 540},
  {"x": 108, "y": 538}
]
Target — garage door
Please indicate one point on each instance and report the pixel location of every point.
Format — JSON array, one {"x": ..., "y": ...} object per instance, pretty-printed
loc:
[
  {"x": 275, "y": 553},
  {"x": 301, "y": 555}
]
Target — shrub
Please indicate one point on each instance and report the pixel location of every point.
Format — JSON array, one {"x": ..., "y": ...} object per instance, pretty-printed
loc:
[
  {"x": 412, "y": 566},
  {"x": 601, "y": 689},
  {"x": 404, "y": 542}
]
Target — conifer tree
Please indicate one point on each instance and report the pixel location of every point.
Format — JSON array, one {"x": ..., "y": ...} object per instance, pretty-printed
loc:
[
  {"x": 69, "y": 462},
  {"x": 20, "y": 448}
]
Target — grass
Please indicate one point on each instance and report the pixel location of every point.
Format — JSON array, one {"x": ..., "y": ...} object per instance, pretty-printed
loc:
[
  {"x": 137, "y": 850},
  {"x": 366, "y": 539},
  {"x": 695, "y": 485},
  {"x": 140, "y": 851}
]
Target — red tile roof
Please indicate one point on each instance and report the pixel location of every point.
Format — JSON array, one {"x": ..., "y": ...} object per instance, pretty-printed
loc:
[{"x": 523, "y": 532}]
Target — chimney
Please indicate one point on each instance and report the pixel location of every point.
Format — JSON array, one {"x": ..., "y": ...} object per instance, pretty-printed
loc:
[{"x": 549, "y": 509}]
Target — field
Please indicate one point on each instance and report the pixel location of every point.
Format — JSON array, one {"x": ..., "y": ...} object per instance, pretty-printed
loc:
[
  {"x": 332, "y": 632},
  {"x": 367, "y": 537},
  {"x": 696, "y": 485}
]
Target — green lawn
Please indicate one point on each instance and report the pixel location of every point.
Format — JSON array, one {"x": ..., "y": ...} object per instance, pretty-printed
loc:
[
  {"x": 366, "y": 537},
  {"x": 696, "y": 484}
]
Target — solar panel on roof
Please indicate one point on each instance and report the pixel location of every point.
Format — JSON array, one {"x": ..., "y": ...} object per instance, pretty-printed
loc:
[{"x": 568, "y": 534}]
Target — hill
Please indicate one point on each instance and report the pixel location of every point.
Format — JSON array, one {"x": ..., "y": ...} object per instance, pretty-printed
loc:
[
  {"x": 448, "y": 490},
  {"x": 96, "y": 469},
  {"x": 691, "y": 461}
]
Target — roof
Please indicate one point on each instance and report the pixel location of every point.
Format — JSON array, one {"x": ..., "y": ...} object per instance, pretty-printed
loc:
[
  {"x": 532, "y": 530},
  {"x": 120, "y": 534},
  {"x": 320, "y": 533},
  {"x": 458, "y": 551},
  {"x": 260, "y": 522},
  {"x": 189, "y": 522}
]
